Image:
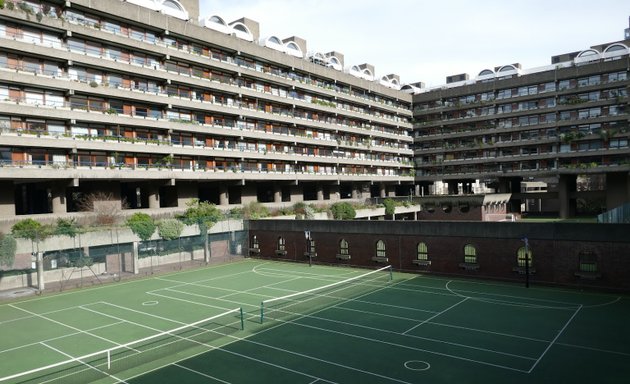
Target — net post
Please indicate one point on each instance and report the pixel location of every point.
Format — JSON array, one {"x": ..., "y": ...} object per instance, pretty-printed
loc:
[
  {"x": 262, "y": 311},
  {"x": 242, "y": 320},
  {"x": 109, "y": 360},
  {"x": 391, "y": 274}
]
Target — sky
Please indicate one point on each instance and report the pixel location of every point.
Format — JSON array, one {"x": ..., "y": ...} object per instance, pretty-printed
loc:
[{"x": 426, "y": 41}]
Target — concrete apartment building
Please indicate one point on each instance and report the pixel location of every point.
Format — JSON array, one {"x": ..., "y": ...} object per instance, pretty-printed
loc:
[
  {"x": 154, "y": 104},
  {"x": 524, "y": 130}
]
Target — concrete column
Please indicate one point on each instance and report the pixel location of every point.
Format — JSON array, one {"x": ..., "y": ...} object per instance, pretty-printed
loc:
[
  {"x": 58, "y": 198},
  {"x": 617, "y": 189},
  {"x": 355, "y": 192},
  {"x": 153, "y": 192},
  {"x": 567, "y": 185},
  {"x": 334, "y": 193},
  {"x": 224, "y": 197},
  {"x": 277, "y": 193},
  {"x": 382, "y": 190},
  {"x": 320, "y": 192}
]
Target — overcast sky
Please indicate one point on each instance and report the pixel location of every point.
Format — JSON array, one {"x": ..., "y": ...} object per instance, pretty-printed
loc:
[{"x": 429, "y": 40}]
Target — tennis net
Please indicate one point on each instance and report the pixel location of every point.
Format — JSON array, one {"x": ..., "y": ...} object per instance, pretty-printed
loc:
[
  {"x": 138, "y": 356},
  {"x": 304, "y": 302}
]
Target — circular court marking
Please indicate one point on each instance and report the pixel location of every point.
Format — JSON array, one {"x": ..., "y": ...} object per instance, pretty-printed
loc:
[
  {"x": 417, "y": 365},
  {"x": 150, "y": 303}
]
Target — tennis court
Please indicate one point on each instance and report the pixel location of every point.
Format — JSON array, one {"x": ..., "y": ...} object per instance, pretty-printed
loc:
[{"x": 274, "y": 322}]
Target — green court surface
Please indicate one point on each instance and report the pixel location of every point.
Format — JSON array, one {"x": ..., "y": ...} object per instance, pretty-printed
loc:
[{"x": 377, "y": 327}]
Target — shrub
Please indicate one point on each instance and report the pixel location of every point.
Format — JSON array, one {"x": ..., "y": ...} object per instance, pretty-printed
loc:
[
  {"x": 255, "y": 210},
  {"x": 170, "y": 229},
  {"x": 142, "y": 225},
  {"x": 390, "y": 206},
  {"x": 343, "y": 211},
  {"x": 30, "y": 229},
  {"x": 8, "y": 246},
  {"x": 67, "y": 227}
]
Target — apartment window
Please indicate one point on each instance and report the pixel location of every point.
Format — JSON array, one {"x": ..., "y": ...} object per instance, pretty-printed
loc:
[
  {"x": 549, "y": 87},
  {"x": 522, "y": 257},
  {"x": 618, "y": 143},
  {"x": 591, "y": 80},
  {"x": 504, "y": 94},
  {"x": 470, "y": 254},
  {"x": 564, "y": 84},
  {"x": 618, "y": 76},
  {"x": 504, "y": 108},
  {"x": 487, "y": 96},
  {"x": 549, "y": 117},
  {"x": 592, "y": 96}
]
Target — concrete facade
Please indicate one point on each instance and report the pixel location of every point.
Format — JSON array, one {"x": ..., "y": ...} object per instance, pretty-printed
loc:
[{"x": 157, "y": 110}]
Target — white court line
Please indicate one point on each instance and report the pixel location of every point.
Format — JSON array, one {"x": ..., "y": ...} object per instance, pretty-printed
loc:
[
  {"x": 412, "y": 348},
  {"x": 58, "y": 337},
  {"x": 524, "y": 303},
  {"x": 32, "y": 316},
  {"x": 381, "y": 330},
  {"x": 186, "y": 301},
  {"x": 86, "y": 364},
  {"x": 434, "y": 316},
  {"x": 66, "y": 325},
  {"x": 201, "y": 373},
  {"x": 554, "y": 339},
  {"x": 210, "y": 297},
  {"x": 221, "y": 298},
  {"x": 211, "y": 347}
]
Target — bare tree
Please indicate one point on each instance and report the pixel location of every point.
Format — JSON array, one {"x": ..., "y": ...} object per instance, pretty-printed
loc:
[{"x": 106, "y": 208}]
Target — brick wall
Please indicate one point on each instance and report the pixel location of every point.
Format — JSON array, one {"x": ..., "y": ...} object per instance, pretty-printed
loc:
[{"x": 556, "y": 247}]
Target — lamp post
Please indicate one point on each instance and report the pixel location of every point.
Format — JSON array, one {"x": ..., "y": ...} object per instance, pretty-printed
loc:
[
  {"x": 307, "y": 235},
  {"x": 526, "y": 241}
]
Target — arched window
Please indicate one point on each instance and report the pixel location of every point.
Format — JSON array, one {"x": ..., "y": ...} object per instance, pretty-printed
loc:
[
  {"x": 470, "y": 254},
  {"x": 422, "y": 255},
  {"x": 588, "y": 261},
  {"x": 254, "y": 246},
  {"x": 281, "y": 249},
  {"x": 344, "y": 250},
  {"x": 343, "y": 247},
  {"x": 381, "y": 251},
  {"x": 423, "y": 252},
  {"x": 522, "y": 257}
]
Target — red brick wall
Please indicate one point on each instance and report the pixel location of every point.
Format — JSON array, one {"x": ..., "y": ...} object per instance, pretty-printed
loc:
[{"x": 555, "y": 247}]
